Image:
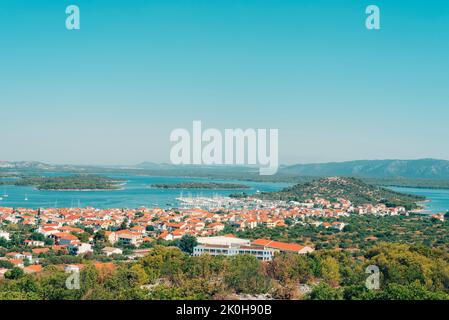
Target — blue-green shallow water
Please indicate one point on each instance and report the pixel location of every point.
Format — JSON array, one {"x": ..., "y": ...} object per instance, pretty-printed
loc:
[
  {"x": 439, "y": 198},
  {"x": 136, "y": 193}
]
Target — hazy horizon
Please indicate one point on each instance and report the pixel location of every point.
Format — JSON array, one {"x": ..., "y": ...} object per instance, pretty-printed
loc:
[
  {"x": 203, "y": 165},
  {"x": 112, "y": 92}
]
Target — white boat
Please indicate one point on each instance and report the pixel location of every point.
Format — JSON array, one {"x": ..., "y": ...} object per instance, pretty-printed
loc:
[
  {"x": 5, "y": 195},
  {"x": 1, "y": 198},
  {"x": 26, "y": 198}
]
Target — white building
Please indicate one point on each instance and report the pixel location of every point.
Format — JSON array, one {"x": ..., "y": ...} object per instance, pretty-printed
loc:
[
  {"x": 126, "y": 237},
  {"x": 338, "y": 225},
  {"x": 230, "y": 246},
  {"x": 5, "y": 235},
  {"x": 34, "y": 243},
  {"x": 77, "y": 248},
  {"x": 222, "y": 240},
  {"x": 260, "y": 253},
  {"x": 110, "y": 250},
  {"x": 71, "y": 268}
]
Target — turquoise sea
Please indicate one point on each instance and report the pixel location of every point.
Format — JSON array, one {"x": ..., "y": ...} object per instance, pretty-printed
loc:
[
  {"x": 438, "y": 199},
  {"x": 136, "y": 192}
]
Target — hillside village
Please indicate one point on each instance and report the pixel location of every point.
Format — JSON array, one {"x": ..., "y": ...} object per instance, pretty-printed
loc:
[{"x": 129, "y": 233}]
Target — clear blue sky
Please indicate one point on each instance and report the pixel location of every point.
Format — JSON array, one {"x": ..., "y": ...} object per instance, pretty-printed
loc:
[{"x": 112, "y": 91}]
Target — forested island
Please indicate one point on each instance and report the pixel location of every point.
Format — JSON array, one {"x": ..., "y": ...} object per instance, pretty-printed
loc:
[
  {"x": 75, "y": 182},
  {"x": 409, "y": 183},
  {"x": 199, "y": 185},
  {"x": 352, "y": 189},
  {"x": 422, "y": 173}
]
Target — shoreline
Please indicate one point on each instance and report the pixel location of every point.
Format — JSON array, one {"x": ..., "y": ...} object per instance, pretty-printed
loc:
[
  {"x": 80, "y": 190},
  {"x": 422, "y": 209},
  {"x": 217, "y": 189}
]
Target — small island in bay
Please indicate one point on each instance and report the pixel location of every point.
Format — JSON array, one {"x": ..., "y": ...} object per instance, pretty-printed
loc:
[
  {"x": 199, "y": 185},
  {"x": 80, "y": 182}
]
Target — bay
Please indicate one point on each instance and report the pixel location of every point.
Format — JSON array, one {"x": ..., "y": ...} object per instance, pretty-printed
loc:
[
  {"x": 437, "y": 199},
  {"x": 135, "y": 192}
]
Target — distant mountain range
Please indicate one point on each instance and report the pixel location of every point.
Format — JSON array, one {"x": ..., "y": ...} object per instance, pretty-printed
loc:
[
  {"x": 39, "y": 166},
  {"x": 414, "y": 169},
  {"x": 409, "y": 169},
  {"x": 24, "y": 165},
  {"x": 169, "y": 166}
]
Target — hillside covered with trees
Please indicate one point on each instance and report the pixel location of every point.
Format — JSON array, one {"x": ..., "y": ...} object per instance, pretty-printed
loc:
[
  {"x": 407, "y": 272},
  {"x": 72, "y": 182},
  {"x": 352, "y": 189},
  {"x": 414, "y": 169}
]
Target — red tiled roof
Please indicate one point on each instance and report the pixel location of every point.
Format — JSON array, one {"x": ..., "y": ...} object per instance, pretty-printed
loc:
[
  {"x": 40, "y": 250},
  {"x": 34, "y": 268},
  {"x": 278, "y": 245},
  {"x": 66, "y": 236}
]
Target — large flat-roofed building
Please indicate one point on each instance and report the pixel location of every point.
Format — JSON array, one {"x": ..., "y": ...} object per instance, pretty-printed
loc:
[
  {"x": 232, "y": 250},
  {"x": 223, "y": 240},
  {"x": 262, "y": 249}
]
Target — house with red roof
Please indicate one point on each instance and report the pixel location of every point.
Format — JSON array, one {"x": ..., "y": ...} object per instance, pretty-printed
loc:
[
  {"x": 129, "y": 237},
  {"x": 34, "y": 268},
  {"x": 166, "y": 236},
  {"x": 63, "y": 238},
  {"x": 282, "y": 246}
]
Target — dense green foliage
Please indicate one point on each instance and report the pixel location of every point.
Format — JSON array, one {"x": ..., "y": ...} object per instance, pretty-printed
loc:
[
  {"x": 351, "y": 189},
  {"x": 409, "y": 183},
  {"x": 360, "y": 232},
  {"x": 73, "y": 182},
  {"x": 199, "y": 185},
  {"x": 187, "y": 243},
  {"x": 414, "y": 169},
  {"x": 407, "y": 272}
]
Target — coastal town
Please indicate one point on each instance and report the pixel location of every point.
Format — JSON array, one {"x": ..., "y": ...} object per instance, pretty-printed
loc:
[{"x": 130, "y": 233}]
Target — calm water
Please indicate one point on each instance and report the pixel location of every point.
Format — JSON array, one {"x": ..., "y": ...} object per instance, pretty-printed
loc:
[
  {"x": 136, "y": 193},
  {"x": 439, "y": 198}
]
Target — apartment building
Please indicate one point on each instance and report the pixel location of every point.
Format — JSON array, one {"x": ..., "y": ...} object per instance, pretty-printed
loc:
[
  {"x": 262, "y": 249},
  {"x": 232, "y": 250}
]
